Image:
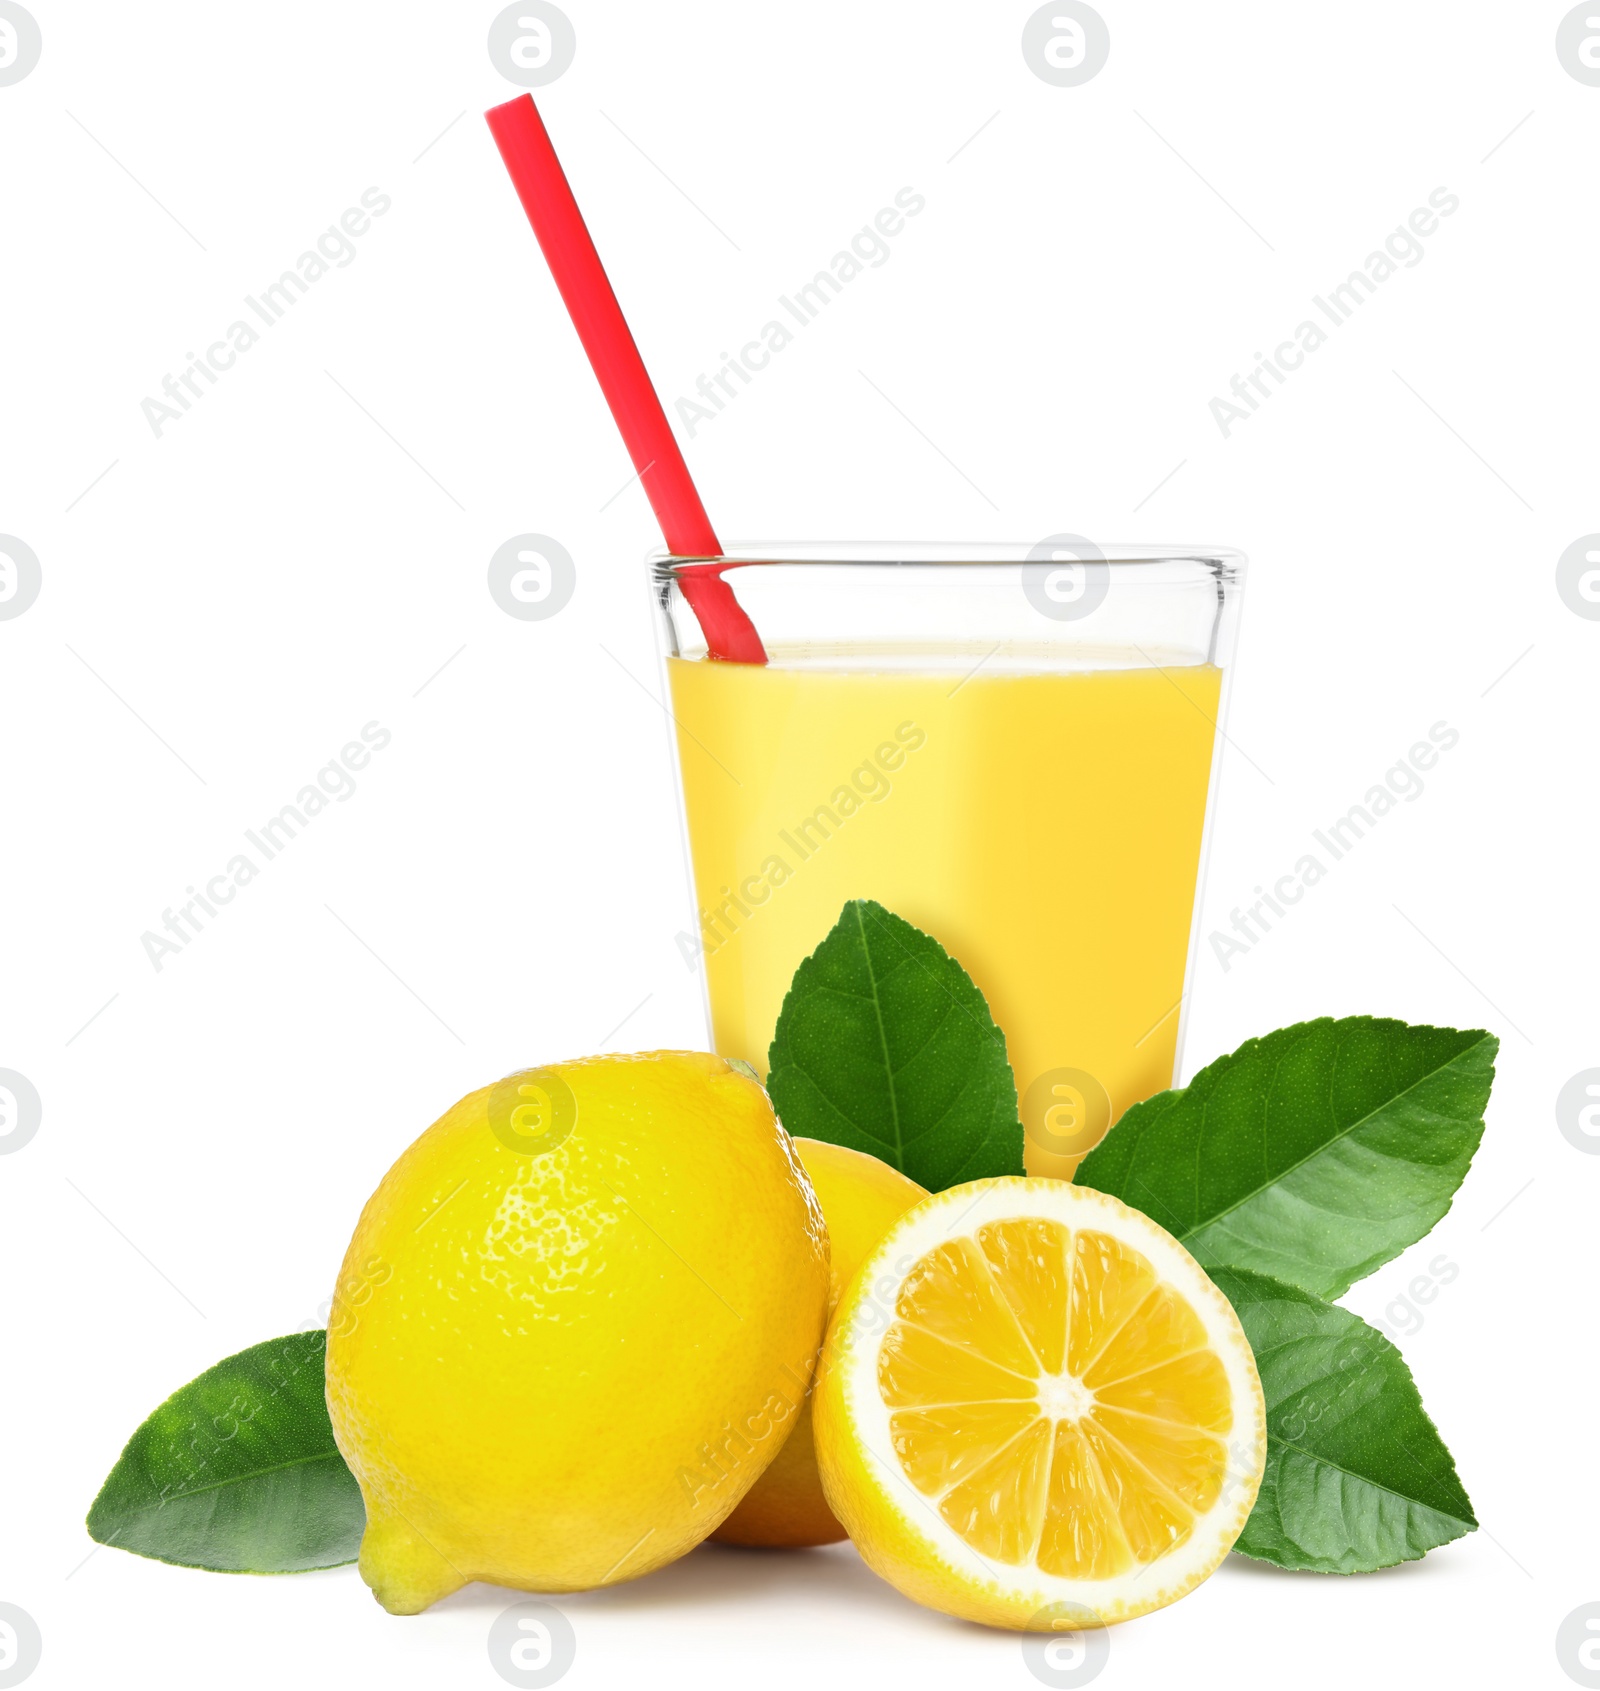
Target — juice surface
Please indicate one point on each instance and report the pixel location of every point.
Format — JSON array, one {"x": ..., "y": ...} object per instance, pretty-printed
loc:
[{"x": 1044, "y": 827}]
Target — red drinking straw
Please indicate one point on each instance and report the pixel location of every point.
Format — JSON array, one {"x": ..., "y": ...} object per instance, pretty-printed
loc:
[{"x": 546, "y": 197}]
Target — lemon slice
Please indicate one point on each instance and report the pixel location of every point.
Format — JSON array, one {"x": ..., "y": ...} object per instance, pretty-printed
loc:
[{"x": 1036, "y": 1411}]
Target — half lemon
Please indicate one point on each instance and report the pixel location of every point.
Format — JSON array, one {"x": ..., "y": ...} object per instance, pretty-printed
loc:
[{"x": 1036, "y": 1411}]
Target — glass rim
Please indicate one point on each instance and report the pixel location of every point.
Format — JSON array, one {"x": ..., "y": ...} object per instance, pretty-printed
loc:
[{"x": 1225, "y": 562}]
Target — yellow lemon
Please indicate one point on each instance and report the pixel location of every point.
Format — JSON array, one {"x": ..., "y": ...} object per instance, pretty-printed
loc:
[
  {"x": 573, "y": 1325},
  {"x": 860, "y": 1198},
  {"x": 1034, "y": 1410}
]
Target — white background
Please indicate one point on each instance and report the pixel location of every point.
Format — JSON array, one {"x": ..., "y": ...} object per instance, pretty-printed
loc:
[{"x": 227, "y": 604}]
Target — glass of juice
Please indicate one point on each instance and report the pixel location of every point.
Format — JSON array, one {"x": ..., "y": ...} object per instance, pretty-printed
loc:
[{"x": 1014, "y": 748}]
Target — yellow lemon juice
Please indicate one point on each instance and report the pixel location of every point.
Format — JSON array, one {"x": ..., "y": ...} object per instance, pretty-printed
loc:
[{"x": 1044, "y": 826}]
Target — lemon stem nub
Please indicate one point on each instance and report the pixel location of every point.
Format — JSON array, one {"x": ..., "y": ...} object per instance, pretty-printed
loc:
[{"x": 405, "y": 1572}]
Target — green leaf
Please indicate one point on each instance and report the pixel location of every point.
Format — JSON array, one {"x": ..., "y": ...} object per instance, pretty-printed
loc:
[
  {"x": 884, "y": 1045},
  {"x": 1357, "y": 1476},
  {"x": 238, "y": 1471},
  {"x": 1313, "y": 1155}
]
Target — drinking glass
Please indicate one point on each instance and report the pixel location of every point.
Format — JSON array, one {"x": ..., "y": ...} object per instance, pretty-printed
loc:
[{"x": 1013, "y": 748}]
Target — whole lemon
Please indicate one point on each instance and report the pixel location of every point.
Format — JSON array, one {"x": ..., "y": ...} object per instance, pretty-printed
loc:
[
  {"x": 576, "y": 1321},
  {"x": 861, "y": 1199}
]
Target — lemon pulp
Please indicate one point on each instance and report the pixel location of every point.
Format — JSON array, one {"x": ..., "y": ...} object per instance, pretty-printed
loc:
[{"x": 1059, "y": 1402}]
